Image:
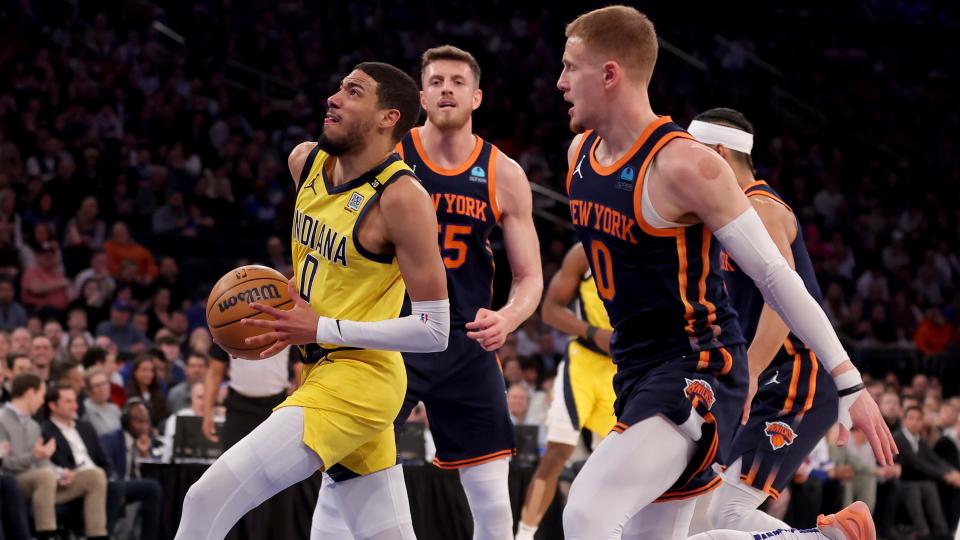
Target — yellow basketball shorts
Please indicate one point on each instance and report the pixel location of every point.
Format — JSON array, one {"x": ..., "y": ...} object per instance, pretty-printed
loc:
[
  {"x": 350, "y": 400},
  {"x": 583, "y": 396}
]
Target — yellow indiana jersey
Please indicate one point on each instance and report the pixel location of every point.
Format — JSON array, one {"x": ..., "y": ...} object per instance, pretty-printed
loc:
[
  {"x": 590, "y": 305},
  {"x": 350, "y": 396}
]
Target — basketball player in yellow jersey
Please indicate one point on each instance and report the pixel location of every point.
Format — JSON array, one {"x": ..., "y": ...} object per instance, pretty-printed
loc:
[
  {"x": 363, "y": 228},
  {"x": 583, "y": 389}
]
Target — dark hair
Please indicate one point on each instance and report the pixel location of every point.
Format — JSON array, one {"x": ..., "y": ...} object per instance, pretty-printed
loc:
[
  {"x": 449, "y": 52},
  {"x": 912, "y": 408},
  {"x": 12, "y": 357},
  {"x": 395, "y": 90},
  {"x": 128, "y": 406},
  {"x": 197, "y": 354},
  {"x": 53, "y": 393},
  {"x": 94, "y": 356},
  {"x": 731, "y": 118},
  {"x": 157, "y": 403},
  {"x": 24, "y": 382},
  {"x": 60, "y": 369}
]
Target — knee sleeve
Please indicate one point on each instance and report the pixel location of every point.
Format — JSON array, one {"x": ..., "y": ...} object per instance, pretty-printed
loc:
[{"x": 489, "y": 497}]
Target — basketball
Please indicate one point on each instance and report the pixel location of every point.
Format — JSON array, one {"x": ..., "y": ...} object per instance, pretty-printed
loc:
[{"x": 229, "y": 303}]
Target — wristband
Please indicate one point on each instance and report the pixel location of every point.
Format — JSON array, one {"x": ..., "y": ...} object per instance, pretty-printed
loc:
[
  {"x": 591, "y": 333},
  {"x": 851, "y": 390},
  {"x": 849, "y": 382}
]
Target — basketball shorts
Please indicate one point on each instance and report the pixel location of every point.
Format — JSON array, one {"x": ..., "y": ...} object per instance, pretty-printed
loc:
[
  {"x": 350, "y": 399},
  {"x": 795, "y": 406},
  {"x": 465, "y": 397},
  {"x": 582, "y": 396},
  {"x": 711, "y": 384}
]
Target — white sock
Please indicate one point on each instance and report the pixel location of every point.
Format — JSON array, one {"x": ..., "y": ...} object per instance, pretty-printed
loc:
[
  {"x": 735, "y": 505},
  {"x": 525, "y": 532},
  {"x": 489, "y": 497},
  {"x": 271, "y": 458}
]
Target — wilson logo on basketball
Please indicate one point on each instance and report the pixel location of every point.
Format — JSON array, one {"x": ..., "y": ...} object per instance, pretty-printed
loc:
[
  {"x": 255, "y": 294},
  {"x": 700, "y": 389},
  {"x": 780, "y": 434}
]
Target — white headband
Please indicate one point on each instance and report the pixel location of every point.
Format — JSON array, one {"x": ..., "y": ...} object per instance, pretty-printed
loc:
[{"x": 732, "y": 138}]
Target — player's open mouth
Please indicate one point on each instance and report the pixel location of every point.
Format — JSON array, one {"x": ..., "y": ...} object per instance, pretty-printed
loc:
[
  {"x": 331, "y": 119},
  {"x": 447, "y": 104}
]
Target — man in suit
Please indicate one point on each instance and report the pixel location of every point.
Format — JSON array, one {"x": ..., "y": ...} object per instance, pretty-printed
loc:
[
  {"x": 29, "y": 461},
  {"x": 79, "y": 449},
  {"x": 922, "y": 471},
  {"x": 948, "y": 448}
]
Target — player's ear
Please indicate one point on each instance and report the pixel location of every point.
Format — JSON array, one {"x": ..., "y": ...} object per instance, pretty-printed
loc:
[
  {"x": 389, "y": 119},
  {"x": 612, "y": 73},
  {"x": 423, "y": 101},
  {"x": 477, "y": 98}
]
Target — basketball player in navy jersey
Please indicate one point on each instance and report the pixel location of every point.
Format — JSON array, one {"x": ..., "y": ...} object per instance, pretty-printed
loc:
[
  {"x": 652, "y": 206},
  {"x": 797, "y": 400},
  {"x": 474, "y": 187}
]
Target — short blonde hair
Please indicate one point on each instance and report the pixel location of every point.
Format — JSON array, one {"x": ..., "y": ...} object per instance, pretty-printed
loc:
[{"x": 620, "y": 33}]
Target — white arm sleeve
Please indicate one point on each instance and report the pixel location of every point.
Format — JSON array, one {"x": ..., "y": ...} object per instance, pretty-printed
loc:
[
  {"x": 747, "y": 241},
  {"x": 426, "y": 329}
]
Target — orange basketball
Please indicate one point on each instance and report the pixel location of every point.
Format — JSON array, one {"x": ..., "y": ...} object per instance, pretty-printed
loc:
[{"x": 229, "y": 302}]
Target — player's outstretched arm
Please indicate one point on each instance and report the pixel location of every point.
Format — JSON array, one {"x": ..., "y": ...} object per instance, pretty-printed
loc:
[
  {"x": 490, "y": 328},
  {"x": 411, "y": 226},
  {"x": 561, "y": 292},
  {"x": 771, "y": 330},
  {"x": 697, "y": 181}
]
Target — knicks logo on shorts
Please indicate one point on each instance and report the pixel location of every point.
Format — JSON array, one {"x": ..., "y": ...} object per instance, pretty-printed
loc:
[
  {"x": 701, "y": 389},
  {"x": 780, "y": 434}
]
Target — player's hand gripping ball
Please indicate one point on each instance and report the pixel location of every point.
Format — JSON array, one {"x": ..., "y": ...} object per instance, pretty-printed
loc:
[{"x": 229, "y": 302}]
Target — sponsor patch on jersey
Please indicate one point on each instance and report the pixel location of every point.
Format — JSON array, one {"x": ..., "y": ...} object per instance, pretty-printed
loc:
[
  {"x": 478, "y": 174},
  {"x": 627, "y": 176},
  {"x": 356, "y": 201},
  {"x": 701, "y": 389},
  {"x": 780, "y": 434}
]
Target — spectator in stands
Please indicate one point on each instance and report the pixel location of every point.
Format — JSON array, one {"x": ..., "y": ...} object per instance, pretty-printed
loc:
[
  {"x": 512, "y": 373},
  {"x": 518, "y": 401},
  {"x": 863, "y": 484},
  {"x": 196, "y": 371},
  {"x": 84, "y": 234},
  {"x": 143, "y": 383},
  {"x": 122, "y": 247},
  {"x": 42, "y": 355},
  {"x": 93, "y": 302},
  {"x": 195, "y": 408},
  {"x": 169, "y": 279},
  {"x": 102, "y": 414},
  {"x": 159, "y": 312},
  {"x": 934, "y": 333},
  {"x": 277, "y": 256},
  {"x": 172, "y": 217},
  {"x": 9, "y": 218},
  {"x": 29, "y": 461},
  {"x": 12, "y": 314},
  {"x": 120, "y": 331},
  {"x": 20, "y": 340},
  {"x": 78, "y": 456},
  {"x": 98, "y": 358},
  {"x": 54, "y": 332},
  {"x": 99, "y": 272},
  {"x": 922, "y": 471},
  {"x": 44, "y": 285},
  {"x": 76, "y": 348},
  {"x": 77, "y": 325}
]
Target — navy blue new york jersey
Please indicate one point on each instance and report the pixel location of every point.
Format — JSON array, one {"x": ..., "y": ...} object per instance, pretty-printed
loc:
[
  {"x": 744, "y": 294},
  {"x": 661, "y": 287},
  {"x": 467, "y": 211}
]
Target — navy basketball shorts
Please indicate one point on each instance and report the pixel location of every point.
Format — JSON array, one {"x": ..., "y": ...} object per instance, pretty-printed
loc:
[
  {"x": 465, "y": 397},
  {"x": 795, "y": 406},
  {"x": 712, "y": 384}
]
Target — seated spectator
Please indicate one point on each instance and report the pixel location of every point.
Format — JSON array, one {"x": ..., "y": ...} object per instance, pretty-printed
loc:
[
  {"x": 77, "y": 453},
  {"x": 179, "y": 396},
  {"x": 144, "y": 384},
  {"x": 922, "y": 471},
  {"x": 96, "y": 357},
  {"x": 170, "y": 427},
  {"x": 78, "y": 325},
  {"x": 512, "y": 373},
  {"x": 122, "y": 247},
  {"x": 12, "y": 314},
  {"x": 888, "y": 484},
  {"x": 170, "y": 370},
  {"x": 101, "y": 413},
  {"x": 42, "y": 355},
  {"x": 4, "y": 384},
  {"x": 862, "y": 486},
  {"x": 172, "y": 217},
  {"x": 20, "y": 340},
  {"x": 518, "y": 401},
  {"x": 890, "y": 409},
  {"x": 934, "y": 333},
  {"x": 169, "y": 279},
  {"x": 158, "y": 314},
  {"x": 99, "y": 273},
  {"x": 77, "y": 346},
  {"x": 38, "y": 479},
  {"x": 44, "y": 285},
  {"x": 120, "y": 331}
]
